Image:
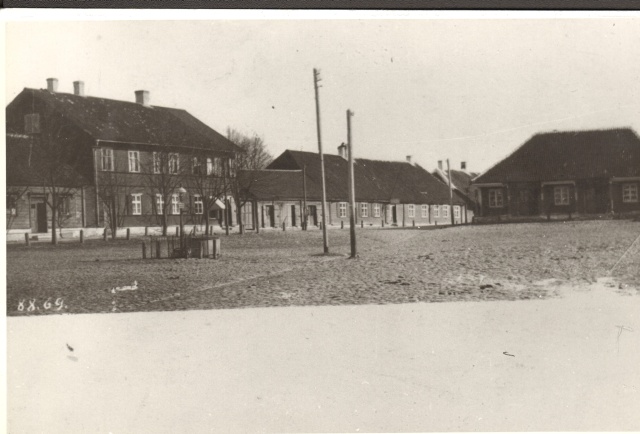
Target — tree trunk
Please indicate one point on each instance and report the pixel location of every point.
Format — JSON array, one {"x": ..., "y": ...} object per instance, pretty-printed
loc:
[
  {"x": 54, "y": 218},
  {"x": 206, "y": 220},
  {"x": 164, "y": 224},
  {"x": 239, "y": 218}
]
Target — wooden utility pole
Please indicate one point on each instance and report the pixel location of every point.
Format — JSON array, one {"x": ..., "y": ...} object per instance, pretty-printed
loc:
[
  {"x": 352, "y": 192},
  {"x": 325, "y": 236},
  {"x": 450, "y": 194},
  {"x": 226, "y": 211},
  {"x": 304, "y": 197}
]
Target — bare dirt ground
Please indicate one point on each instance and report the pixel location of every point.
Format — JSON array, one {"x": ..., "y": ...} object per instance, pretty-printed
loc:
[{"x": 274, "y": 268}]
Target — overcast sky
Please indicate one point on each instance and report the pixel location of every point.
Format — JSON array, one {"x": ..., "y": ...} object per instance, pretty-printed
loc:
[{"x": 471, "y": 90}]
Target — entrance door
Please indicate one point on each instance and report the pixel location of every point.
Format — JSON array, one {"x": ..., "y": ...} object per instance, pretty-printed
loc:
[
  {"x": 394, "y": 215},
  {"x": 38, "y": 215},
  {"x": 313, "y": 215},
  {"x": 293, "y": 216},
  {"x": 270, "y": 216}
]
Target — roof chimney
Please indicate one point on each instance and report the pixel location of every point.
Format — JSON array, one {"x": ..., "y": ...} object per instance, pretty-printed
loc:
[
  {"x": 342, "y": 151},
  {"x": 409, "y": 159},
  {"x": 463, "y": 165},
  {"x": 142, "y": 97},
  {"x": 440, "y": 164},
  {"x": 52, "y": 84},
  {"x": 78, "y": 88}
]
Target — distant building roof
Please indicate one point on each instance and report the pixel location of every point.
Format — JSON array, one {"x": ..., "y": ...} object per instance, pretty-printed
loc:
[
  {"x": 570, "y": 155},
  {"x": 130, "y": 122},
  {"x": 271, "y": 184},
  {"x": 375, "y": 181}
]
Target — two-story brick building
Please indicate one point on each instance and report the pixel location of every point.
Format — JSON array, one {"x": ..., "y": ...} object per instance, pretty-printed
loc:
[
  {"x": 137, "y": 163},
  {"x": 564, "y": 174},
  {"x": 387, "y": 192}
]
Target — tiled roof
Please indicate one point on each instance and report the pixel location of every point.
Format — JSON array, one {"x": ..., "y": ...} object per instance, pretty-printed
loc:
[
  {"x": 130, "y": 122},
  {"x": 375, "y": 180},
  {"x": 570, "y": 155}
]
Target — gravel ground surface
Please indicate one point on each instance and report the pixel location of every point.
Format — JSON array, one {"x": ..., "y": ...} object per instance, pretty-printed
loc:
[{"x": 274, "y": 268}]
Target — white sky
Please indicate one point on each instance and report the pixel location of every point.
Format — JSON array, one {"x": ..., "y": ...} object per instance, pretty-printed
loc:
[{"x": 472, "y": 89}]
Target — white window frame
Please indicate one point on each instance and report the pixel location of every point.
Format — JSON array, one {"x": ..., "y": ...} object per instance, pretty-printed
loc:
[
  {"x": 496, "y": 198},
  {"x": 630, "y": 193},
  {"x": 445, "y": 210},
  {"x": 157, "y": 163},
  {"x": 364, "y": 209},
  {"x": 106, "y": 156},
  {"x": 456, "y": 211},
  {"x": 424, "y": 209},
  {"x": 412, "y": 210},
  {"x": 342, "y": 209},
  {"x": 159, "y": 204},
  {"x": 561, "y": 195},
  {"x": 175, "y": 204},
  {"x": 136, "y": 204},
  {"x": 174, "y": 164},
  {"x": 198, "y": 205},
  {"x": 209, "y": 166},
  {"x": 436, "y": 211},
  {"x": 134, "y": 161},
  {"x": 376, "y": 210}
]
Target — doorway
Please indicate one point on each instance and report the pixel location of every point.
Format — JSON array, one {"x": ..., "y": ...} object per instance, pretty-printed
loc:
[
  {"x": 293, "y": 216},
  {"x": 394, "y": 215},
  {"x": 313, "y": 215},
  {"x": 38, "y": 216}
]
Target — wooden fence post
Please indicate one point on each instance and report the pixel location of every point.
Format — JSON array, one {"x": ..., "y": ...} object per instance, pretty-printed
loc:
[
  {"x": 81, "y": 236},
  {"x": 341, "y": 224},
  {"x": 128, "y": 233},
  {"x": 146, "y": 231},
  {"x": 26, "y": 239},
  {"x": 144, "y": 250},
  {"x": 104, "y": 235},
  {"x": 361, "y": 223},
  {"x": 177, "y": 231},
  {"x": 382, "y": 222},
  {"x": 414, "y": 223},
  {"x": 284, "y": 227}
]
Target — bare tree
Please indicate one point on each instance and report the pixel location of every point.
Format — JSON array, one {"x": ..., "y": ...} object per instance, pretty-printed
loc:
[
  {"x": 113, "y": 190},
  {"x": 54, "y": 160},
  {"x": 253, "y": 155},
  {"x": 165, "y": 175},
  {"x": 206, "y": 181}
]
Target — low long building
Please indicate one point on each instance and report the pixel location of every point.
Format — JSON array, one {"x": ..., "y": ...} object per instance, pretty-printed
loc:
[
  {"x": 386, "y": 192},
  {"x": 564, "y": 174}
]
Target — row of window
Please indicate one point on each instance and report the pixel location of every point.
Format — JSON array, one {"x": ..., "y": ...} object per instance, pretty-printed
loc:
[
  {"x": 136, "y": 204},
  {"x": 411, "y": 210},
  {"x": 561, "y": 195},
  {"x": 199, "y": 166}
]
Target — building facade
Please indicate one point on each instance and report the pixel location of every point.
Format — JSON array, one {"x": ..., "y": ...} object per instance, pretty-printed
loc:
[
  {"x": 111, "y": 163},
  {"x": 565, "y": 174},
  {"x": 386, "y": 193}
]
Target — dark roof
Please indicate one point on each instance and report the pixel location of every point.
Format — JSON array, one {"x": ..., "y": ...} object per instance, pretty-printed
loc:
[
  {"x": 461, "y": 179},
  {"x": 375, "y": 180},
  {"x": 130, "y": 122},
  {"x": 21, "y": 173},
  {"x": 271, "y": 184},
  {"x": 570, "y": 155}
]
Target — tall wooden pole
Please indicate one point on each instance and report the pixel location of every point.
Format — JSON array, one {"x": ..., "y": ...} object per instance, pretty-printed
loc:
[
  {"x": 304, "y": 197},
  {"x": 352, "y": 192},
  {"x": 325, "y": 237},
  {"x": 450, "y": 194}
]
